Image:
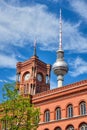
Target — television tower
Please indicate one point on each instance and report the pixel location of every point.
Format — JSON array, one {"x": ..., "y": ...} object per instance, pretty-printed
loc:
[{"x": 60, "y": 67}]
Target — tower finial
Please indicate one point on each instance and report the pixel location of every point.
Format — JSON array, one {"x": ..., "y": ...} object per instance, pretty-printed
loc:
[
  {"x": 35, "y": 47},
  {"x": 60, "y": 32}
]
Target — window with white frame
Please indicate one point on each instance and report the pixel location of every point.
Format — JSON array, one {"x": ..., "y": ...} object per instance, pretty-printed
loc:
[
  {"x": 70, "y": 111},
  {"x": 82, "y": 108},
  {"x": 70, "y": 127},
  {"x": 83, "y": 126},
  {"x": 58, "y": 128},
  {"x": 47, "y": 116},
  {"x": 58, "y": 113}
]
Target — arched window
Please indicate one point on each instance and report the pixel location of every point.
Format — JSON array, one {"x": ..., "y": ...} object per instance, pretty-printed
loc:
[
  {"x": 47, "y": 79},
  {"x": 38, "y": 89},
  {"x": 70, "y": 111},
  {"x": 70, "y": 127},
  {"x": 31, "y": 89},
  {"x": 83, "y": 126},
  {"x": 57, "y": 128},
  {"x": 47, "y": 116},
  {"x": 58, "y": 113},
  {"x": 82, "y": 108},
  {"x": 25, "y": 89}
]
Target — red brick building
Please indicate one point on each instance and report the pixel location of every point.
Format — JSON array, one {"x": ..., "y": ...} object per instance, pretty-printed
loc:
[{"x": 63, "y": 108}]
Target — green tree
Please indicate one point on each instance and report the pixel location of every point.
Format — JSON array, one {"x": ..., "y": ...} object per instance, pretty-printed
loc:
[{"x": 16, "y": 111}]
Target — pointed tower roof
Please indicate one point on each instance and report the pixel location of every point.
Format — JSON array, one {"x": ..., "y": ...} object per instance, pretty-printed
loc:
[{"x": 35, "y": 54}]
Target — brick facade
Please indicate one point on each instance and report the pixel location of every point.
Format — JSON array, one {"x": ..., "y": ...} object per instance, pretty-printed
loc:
[
  {"x": 61, "y": 97},
  {"x": 73, "y": 96}
]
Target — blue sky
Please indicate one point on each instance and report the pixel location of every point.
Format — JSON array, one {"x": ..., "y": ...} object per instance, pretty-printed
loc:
[{"x": 23, "y": 21}]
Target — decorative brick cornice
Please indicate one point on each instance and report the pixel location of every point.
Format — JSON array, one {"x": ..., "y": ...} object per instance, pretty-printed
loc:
[{"x": 71, "y": 88}]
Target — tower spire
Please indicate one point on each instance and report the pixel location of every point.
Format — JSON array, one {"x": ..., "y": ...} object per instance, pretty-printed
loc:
[
  {"x": 60, "y": 31},
  {"x": 35, "y": 48}
]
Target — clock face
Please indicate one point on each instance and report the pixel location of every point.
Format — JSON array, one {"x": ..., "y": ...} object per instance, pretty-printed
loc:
[
  {"x": 39, "y": 77},
  {"x": 27, "y": 76}
]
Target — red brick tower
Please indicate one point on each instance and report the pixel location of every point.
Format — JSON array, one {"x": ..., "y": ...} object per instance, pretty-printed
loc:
[{"x": 33, "y": 76}]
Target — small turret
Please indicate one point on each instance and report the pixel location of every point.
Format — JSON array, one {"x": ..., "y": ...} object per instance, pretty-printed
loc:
[{"x": 60, "y": 67}]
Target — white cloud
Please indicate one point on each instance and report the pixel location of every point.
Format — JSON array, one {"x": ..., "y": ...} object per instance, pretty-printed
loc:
[
  {"x": 3, "y": 81},
  {"x": 13, "y": 2},
  {"x": 21, "y": 25},
  {"x": 80, "y": 6},
  {"x": 79, "y": 67},
  {"x": 13, "y": 78},
  {"x": 7, "y": 61},
  {"x": 73, "y": 39}
]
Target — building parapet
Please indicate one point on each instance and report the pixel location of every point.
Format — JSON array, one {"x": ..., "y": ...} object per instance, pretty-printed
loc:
[{"x": 68, "y": 89}]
